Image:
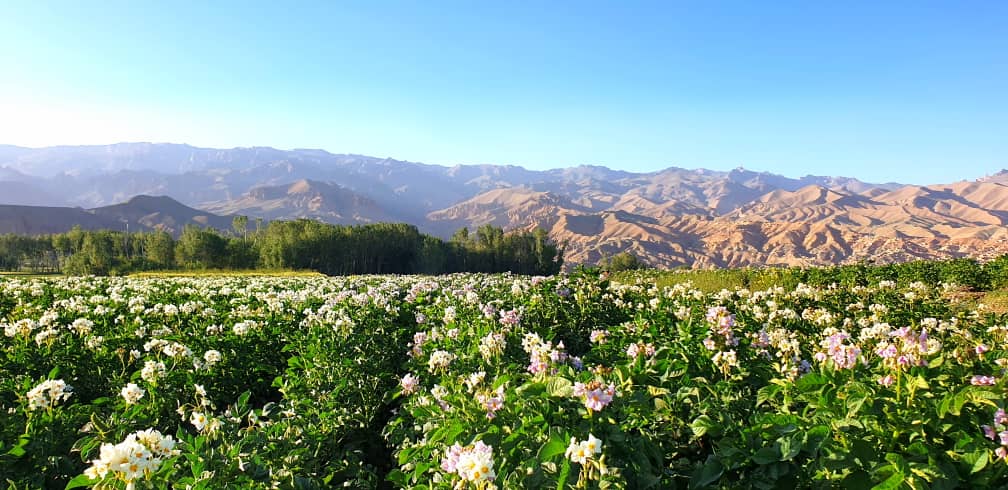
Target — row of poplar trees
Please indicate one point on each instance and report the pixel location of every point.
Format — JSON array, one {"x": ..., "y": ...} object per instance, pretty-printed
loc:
[{"x": 302, "y": 244}]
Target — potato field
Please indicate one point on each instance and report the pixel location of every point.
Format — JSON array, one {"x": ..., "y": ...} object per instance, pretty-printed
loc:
[{"x": 497, "y": 381}]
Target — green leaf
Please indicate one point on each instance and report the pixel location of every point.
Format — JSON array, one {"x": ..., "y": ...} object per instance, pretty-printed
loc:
[
  {"x": 556, "y": 445},
  {"x": 701, "y": 425},
  {"x": 767, "y": 455},
  {"x": 565, "y": 469},
  {"x": 766, "y": 393},
  {"x": 815, "y": 437},
  {"x": 54, "y": 372},
  {"x": 19, "y": 449},
  {"x": 857, "y": 480},
  {"x": 863, "y": 452},
  {"x": 100, "y": 401},
  {"x": 421, "y": 469},
  {"x": 791, "y": 445},
  {"x": 500, "y": 381},
  {"x": 406, "y": 455},
  {"x": 79, "y": 482},
  {"x": 559, "y": 387},
  {"x": 453, "y": 433},
  {"x": 978, "y": 459},
  {"x": 809, "y": 382},
  {"x": 854, "y": 405},
  {"x": 531, "y": 389},
  {"x": 660, "y": 405},
  {"x": 892, "y": 483},
  {"x": 918, "y": 448},
  {"x": 709, "y": 473}
]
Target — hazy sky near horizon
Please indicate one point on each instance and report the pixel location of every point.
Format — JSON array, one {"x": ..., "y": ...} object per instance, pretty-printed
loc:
[{"x": 909, "y": 91}]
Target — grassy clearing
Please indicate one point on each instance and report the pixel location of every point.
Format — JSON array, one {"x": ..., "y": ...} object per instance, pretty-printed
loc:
[
  {"x": 710, "y": 281},
  {"x": 28, "y": 275},
  {"x": 996, "y": 301}
]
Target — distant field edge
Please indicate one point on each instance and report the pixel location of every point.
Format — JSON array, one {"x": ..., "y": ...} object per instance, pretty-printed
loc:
[{"x": 230, "y": 272}]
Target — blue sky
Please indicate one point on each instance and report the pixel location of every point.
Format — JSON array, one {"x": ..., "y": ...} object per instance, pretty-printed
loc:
[{"x": 912, "y": 91}]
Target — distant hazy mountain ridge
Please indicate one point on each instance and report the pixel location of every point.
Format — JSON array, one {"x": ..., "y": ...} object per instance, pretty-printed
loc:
[
  {"x": 141, "y": 213},
  {"x": 668, "y": 218}
]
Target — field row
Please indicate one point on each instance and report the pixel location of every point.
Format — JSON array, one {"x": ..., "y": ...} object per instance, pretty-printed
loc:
[{"x": 496, "y": 381}]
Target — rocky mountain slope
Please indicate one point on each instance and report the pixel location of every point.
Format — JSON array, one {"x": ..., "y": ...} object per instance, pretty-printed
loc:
[
  {"x": 142, "y": 213},
  {"x": 674, "y": 217}
]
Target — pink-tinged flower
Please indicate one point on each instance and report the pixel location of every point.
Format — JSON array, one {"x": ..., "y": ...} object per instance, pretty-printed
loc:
[
  {"x": 709, "y": 344},
  {"x": 450, "y": 461},
  {"x": 837, "y": 351},
  {"x": 980, "y": 349},
  {"x": 719, "y": 315},
  {"x": 598, "y": 336},
  {"x": 632, "y": 351},
  {"x": 416, "y": 347},
  {"x": 1000, "y": 417},
  {"x": 472, "y": 463},
  {"x": 489, "y": 311},
  {"x": 886, "y": 350},
  {"x": 558, "y": 354},
  {"x": 1003, "y": 435},
  {"x": 887, "y": 380},
  {"x": 1001, "y": 453},
  {"x": 542, "y": 354},
  {"x": 492, "y": 401},
  {"x": 537, "y": 366},
  {"x": 510, "y": 318},
  {"x": 409, "y": 384},
  {"x": 596, "y": 396},
  {"x": 980, "y": 380},
  {"x": 635, "y": 350},
  {"x": 988, "y": 432}
]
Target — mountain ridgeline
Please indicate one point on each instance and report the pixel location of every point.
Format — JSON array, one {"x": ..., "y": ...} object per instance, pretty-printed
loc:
[{"x": 670, "y": 218}]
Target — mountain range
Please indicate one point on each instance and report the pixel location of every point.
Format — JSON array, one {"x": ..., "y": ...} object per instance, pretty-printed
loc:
[{"x": 673, "y": 217}]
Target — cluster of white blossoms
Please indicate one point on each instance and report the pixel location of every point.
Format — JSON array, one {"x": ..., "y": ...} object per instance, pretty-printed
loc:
[
  {"x": 492, "y": 345},
  {"x": 439, "y": 360},
  {"x": 587, "y": 454},
  {"x": 212, "y": 357},
  {"x": 582, "y": 452},
  {"x": 472, "y": 463},
  {"x": 152, "y": 371},
  {"x": 138, "y": 456},
  {"x": 48, "y": 393},
  {"x": 132, "y": 393},
  {"x": 409, "y": 384},
  {"x": 242, "y": 328}
]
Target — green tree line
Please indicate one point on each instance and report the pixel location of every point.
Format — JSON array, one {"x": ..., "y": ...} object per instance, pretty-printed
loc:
[{"x": 302, "y": 244}]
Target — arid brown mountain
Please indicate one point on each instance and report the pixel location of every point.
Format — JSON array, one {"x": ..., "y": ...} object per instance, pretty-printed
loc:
[
  {"x": 811, "y": 225},
  {"x": 306, "y": 199},
  {"x": 674, "y": 217},
  {"x": 142, "y": 213}
]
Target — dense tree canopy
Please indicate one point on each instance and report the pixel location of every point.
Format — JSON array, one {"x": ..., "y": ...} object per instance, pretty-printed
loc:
[{"x": 302, "y": 244}]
